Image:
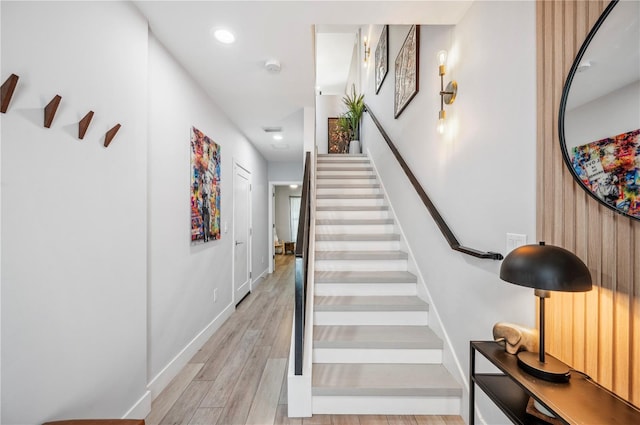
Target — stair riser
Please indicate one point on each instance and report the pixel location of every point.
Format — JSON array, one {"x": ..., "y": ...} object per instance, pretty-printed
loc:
[
  {"x": 346, "y": 181},
  {"x": 348, "y": 191},
  {"x": 370, "y": 318},
  {"x": 391, "y": 405},
  {"x": 352, "y": 202},
  {"x": 355, "y": 214},
  {"x": 361, "y": 265},
  {"x": 365, "y": 289},
  {"x": 340, "y": 172},
  {"x": 357, "y": 245},
  {"x": 334, "y": 166},
  {"x": 355, "y": 229},
  {"x": 378, "y": 355}
]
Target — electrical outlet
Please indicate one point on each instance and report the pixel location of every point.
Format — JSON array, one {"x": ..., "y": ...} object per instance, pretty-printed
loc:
[
  {"x": 515, "y": 240},
  {"x": 263, "y": 259},
  {"x": 215, "y": 295}
]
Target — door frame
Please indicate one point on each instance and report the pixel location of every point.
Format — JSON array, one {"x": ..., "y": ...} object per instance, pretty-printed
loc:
[
  {"x": 272, "y": 188},
  {"x": 236, "y": 165}
]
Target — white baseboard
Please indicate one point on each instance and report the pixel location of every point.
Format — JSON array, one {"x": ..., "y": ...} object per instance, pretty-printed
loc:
[
  {"x": 162, "y": 379},
  {"x": 256, "y": 281},
  {"x": 141, "y": 409}
]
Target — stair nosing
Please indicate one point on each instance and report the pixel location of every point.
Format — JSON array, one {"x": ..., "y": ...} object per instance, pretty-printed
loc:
[{"x": 360, "y": 277}]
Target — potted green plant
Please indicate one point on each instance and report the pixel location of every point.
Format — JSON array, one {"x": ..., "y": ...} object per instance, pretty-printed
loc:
[{"x": 355, "y": 109}]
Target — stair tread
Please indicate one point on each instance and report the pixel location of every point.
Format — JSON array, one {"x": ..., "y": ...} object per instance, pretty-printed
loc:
[
  {"x": 324, "y": 161},
  {"x": 383, "y": 380},
  {"x": 348, "y": 186},
  {"x": 365, "y": 237},
  {"x": 364, "y": 277},
  {"x": 348, "y": 221},
  {"x": 361, "y": 255},
  {"x": 369, "y": 303},
  {"x": 342, "y": 155},
  {"x": 368, "y": 176},
  {"x": 384, "y": 337},
  {"x": 368, "y": 169},
  {"x": 352, "y": 208},
  {"x": 352, "y": 196}
]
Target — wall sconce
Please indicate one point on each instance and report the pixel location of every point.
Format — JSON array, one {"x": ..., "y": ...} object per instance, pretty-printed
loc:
[
  {"x": 367, "y": 50},
  {"x": 447, "y": 96}
]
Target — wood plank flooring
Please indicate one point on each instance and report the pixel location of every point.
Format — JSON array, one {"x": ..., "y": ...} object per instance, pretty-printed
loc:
[{"x": 239, "y": 376}]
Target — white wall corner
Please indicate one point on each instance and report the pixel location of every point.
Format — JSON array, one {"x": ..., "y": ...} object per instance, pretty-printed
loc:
[{"x": 171, "y": 370}]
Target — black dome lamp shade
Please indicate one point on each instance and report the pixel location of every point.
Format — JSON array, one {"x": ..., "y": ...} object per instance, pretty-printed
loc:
[{"x": 545, "y": 268}]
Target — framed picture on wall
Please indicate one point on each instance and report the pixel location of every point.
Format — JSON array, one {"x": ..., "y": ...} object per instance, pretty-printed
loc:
[
  {"x": 338, "y": 139},
  {"x": 407, "y": 71},
  {"x": 205, "y": 187},
  {"x": 382, "y": 57}
]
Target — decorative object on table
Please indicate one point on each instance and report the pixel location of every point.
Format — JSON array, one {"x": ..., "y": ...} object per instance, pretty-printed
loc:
[
  {"x": 338, "y": 135},
  {"x": 610, "y": 169},
  {"x": 447, "y": 96},
  {"x": 407, "y": 70},
  {"x": 50, "y": 110},
  {"x": 382, "y": 57},
  {"x": 515, "y": 337},
  {"x": 8, "y": 87},
  {"x": 545, "y": 268},
  {"x": 533, "y": 411},
  {"x": 205, "y": 187},
  {"x": 350, "y": 120}
]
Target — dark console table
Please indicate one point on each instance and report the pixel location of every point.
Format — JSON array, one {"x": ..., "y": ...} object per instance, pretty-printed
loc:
[{"x": 581, "y": 401}]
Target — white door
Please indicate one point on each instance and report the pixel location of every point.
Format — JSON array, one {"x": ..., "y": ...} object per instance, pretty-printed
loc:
[{"x": 241, "y": 232}]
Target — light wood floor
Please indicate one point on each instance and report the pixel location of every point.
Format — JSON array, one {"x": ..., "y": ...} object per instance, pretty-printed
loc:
[{"x": 239, "y": 375}]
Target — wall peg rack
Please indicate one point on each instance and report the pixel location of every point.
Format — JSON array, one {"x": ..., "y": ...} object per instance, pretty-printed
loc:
[
  {"x": 83, "y": 125},
  {"x": 8, "y": 88},
  {"x": 50, "y": 110},
  {"x": 110, "y": 135}
]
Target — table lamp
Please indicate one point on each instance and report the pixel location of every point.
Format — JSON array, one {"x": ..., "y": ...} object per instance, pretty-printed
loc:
[{"x": 545, "y": 268}]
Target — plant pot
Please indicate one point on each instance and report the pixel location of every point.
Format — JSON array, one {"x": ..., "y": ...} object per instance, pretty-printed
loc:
[{"x": 354, "y": 147}]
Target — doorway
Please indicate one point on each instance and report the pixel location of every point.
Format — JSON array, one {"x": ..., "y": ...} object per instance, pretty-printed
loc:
[
  {"x": 280, "y": 217},
  {"x": 241, "y": 233}
]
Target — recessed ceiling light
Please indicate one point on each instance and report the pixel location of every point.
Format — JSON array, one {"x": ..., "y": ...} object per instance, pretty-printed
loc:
[
  {"x": 293, "y": 186},
  {"x": 224, "y": 36},
  {"x": 277, "y": 137}
]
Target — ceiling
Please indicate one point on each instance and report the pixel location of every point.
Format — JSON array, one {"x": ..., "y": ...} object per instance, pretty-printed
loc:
[{"x": 234, "y": 75}]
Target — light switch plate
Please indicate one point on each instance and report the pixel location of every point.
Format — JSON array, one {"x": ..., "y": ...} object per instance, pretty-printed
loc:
[{"x": 515, "y": 240}]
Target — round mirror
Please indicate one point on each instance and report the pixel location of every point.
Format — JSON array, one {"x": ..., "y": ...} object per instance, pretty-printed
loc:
[{"x": 599, "y": 120}]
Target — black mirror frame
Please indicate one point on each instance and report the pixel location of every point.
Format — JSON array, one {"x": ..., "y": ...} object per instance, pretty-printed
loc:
[{"x": 563, "y": 105}]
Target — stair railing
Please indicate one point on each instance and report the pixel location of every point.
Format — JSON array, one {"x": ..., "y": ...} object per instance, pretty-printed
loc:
[
  {"x": 442, "y": 225},
  {"x": 301, "y": 267}
]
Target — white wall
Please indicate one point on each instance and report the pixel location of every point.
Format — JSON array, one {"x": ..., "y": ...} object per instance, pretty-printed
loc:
[
  {"x": 586, "y": 123},
  {"x": 283, "y": 212},
  {"x": 327, "y": 106},
  {"x": 286, "y": 171},
  {"x": 182, "y": 276},
  {"x": 481, "y": 176},
  {"x": 73, "y": 213}
]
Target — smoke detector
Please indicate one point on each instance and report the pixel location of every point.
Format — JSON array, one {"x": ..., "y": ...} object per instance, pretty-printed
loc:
[{"x": 273, "y": 66}]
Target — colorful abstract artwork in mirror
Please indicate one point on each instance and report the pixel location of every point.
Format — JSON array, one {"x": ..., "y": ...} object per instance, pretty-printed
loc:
[{"x": 610, "y": 168}]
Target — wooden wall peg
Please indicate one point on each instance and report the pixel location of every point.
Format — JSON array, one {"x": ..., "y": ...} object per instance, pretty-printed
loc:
[
  {"x": 50, "y": 110},
  {"x": 84, "y": 124},
  {"x": 7, "y": 91},
  {"x": 110, "y": 135}
]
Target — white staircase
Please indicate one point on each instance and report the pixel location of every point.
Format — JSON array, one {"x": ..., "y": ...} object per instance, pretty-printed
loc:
[{"x": 373, "y": 351}]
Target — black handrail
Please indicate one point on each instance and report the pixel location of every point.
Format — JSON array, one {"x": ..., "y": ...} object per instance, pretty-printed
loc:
[
  {"x": 446, "y": 231},
  {"x": 302, "y": 262}
]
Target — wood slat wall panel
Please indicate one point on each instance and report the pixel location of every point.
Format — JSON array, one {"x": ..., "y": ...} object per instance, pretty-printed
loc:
[{"x": 597, "y": 332}]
